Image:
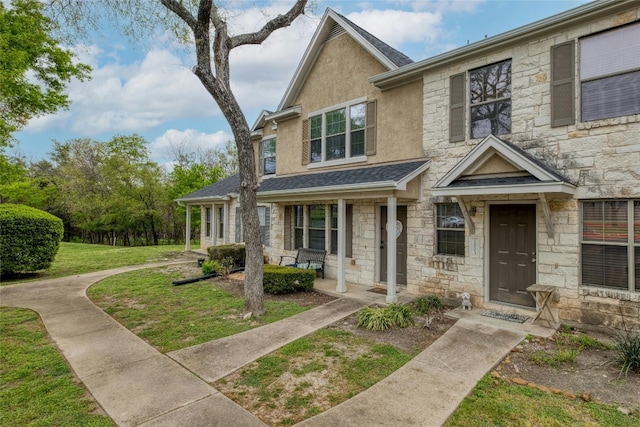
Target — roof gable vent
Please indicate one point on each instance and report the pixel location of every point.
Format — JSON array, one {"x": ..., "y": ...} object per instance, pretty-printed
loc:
[{"x": 336, "y": 31}]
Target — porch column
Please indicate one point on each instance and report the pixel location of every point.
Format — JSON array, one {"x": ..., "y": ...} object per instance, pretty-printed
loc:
[
  {"x": 187, "y": 233},
  {"x": 225, "y": 227},
  {"x": 214, "y": 225},
  {"x": 392, "y": 211},
  {"x": 341, "y": 287}
]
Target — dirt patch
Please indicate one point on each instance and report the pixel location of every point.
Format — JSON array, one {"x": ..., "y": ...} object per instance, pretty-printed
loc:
[{"x": 591, "y": 375}]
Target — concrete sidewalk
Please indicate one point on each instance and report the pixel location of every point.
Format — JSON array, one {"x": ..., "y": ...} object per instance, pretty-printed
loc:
[{"x": 138, "y": 386}]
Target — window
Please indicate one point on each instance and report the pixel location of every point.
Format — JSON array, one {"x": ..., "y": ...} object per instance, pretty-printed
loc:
[
  {"x": 610, "y": 73},
  {"x": 316, "y": 229},
  {"x": 317, "y": 226},
  {"x": 338, "y": 133},
  {"x": 207, "y": 221},
  {"x": 239, "y": 236},
  {"x": 221, "y": 223},
  {"x": 490, "y": 98},
  {"x": 610, "y": 243},
  {"x": 450, "y": 229},
  {"x": 267, "y": 157}
]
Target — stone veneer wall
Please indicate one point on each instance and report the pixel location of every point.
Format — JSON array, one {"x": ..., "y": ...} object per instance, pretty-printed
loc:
[{"x": 602, "y": 158}]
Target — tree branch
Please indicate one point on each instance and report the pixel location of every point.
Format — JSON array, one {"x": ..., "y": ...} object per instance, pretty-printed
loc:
[
  {"x": 184, "y": 14},
  {"x": 276, "y": 23}
]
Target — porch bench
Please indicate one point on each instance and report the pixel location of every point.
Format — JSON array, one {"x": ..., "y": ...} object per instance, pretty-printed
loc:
[{"x": 308, "y": 258}]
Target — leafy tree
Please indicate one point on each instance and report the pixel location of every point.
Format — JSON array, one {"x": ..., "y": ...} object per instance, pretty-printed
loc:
[
  {"x": 34, "y": 70},
  {"x": 207, "y": 24}
]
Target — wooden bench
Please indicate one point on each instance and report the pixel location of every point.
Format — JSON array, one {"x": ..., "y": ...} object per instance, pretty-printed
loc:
[{"x": 308, "y": 258}]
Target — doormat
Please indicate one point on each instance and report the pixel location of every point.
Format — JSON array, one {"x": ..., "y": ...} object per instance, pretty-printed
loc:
[
  {"x": 380, "y": 291},
  {"x": 506, "y": 316}
]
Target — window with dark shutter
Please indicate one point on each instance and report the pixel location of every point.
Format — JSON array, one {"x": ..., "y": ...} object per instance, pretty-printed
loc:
[
  {"x": 288, "y": 225},
  {"x": 370, "y": 134},
  {"x": 238, "y": 225},
  {"x": 305, "y": 142},
  {"x": 562, "y": 84},
  {"x": 261, "y": 158},
  {"x": 457, "y": 93}
]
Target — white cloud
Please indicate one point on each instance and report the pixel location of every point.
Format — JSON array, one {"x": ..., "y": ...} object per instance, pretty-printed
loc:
[
  {"x": 163, "y": 147},
  {"x": 408, "y": 27}
]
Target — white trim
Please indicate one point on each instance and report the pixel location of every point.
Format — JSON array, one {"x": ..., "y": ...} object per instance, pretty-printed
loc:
[
  {"x": 337, "y": 162},
  {"x": 286, "y": 114},
  {"x": 338, "y": 106},
  {"x": 543, "y": 187}
]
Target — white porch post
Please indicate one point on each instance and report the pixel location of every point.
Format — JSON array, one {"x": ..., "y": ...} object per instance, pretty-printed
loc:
[
  {"x": 341, "y": 287},
  {"x": 187, "y": 233},
  {"x": 392, "y": 207},
  {"x": 226, "y": 222},
  {"x": 214, "y": 225}
]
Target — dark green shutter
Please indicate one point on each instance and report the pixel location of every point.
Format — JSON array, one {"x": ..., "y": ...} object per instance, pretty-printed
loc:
[
  {"x": 238, "y": 225},
  {"x": 288, "y": 222},
  {"x": 563, "y": 84},
  {"x": 457, "y": 96},
  {"x": 306, "y": 136},
  {"x": 370, "y": 130}
]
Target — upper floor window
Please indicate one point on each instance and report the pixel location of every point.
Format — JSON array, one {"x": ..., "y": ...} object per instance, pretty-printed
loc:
[
  {"x": 340, "y": 133},
  {"x": 610, "y": 73},
  {"x": 490, "y": 99},
  {"x": 267, "y": 157},
  {"x": 610, "y": 244}
]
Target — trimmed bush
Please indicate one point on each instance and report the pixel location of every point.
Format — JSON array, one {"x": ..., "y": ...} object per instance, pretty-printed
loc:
[
  {"x": 279, "y": 279},
  {"x": 224, "y": 252},
  {"x": 29, "y": 238}
]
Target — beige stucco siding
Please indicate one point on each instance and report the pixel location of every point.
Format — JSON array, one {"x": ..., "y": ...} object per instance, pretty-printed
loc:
[{"x": 340, "y": 74}]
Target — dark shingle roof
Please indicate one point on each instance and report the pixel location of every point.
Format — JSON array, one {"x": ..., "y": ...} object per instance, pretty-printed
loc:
[
  {"x": 222, "y": 188},
  {"x": 345, "y": 177},
  {"x": 537, "y": 161},
  {"x": 392, "y": 173},
  {"x": 395, "y": 56}
]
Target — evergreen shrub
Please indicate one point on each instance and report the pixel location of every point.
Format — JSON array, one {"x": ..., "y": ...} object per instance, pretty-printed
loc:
[
  {"x": 29, "y": 238},
  {"x": 279, "y": 279}
]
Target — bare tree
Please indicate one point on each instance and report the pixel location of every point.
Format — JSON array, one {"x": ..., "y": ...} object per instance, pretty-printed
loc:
[{"x": 213, "y": 43}]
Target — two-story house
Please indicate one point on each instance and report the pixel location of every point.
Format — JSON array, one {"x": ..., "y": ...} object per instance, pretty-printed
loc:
[{"x": 504, "y": 163}]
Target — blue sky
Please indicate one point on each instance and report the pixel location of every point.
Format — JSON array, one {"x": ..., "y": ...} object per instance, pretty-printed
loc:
[{"x": 148, "y": 88}]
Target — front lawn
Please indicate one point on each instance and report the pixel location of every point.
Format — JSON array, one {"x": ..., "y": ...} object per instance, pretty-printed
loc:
[
  {"x": 37, "y": 387},
  {"x": 173, "y": 317}
]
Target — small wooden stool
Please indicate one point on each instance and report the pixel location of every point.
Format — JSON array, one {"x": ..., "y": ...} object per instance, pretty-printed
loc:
[{"x": 541, "y": 294}]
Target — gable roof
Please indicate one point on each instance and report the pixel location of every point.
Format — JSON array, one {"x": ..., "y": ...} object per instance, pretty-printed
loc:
[
  {"x": 332, "y": 25},
  {"x": 394, "y": 176},
  {"x": 496, "y": 166}
]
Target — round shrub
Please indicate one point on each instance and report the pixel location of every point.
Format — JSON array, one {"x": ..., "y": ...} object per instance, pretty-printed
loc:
[
  {"x": 29, "y": 238},
  {"x": 210, "y": 267}
]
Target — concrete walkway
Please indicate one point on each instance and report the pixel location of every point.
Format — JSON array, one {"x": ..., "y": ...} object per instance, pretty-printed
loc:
[{"x": 138, "y": 386}]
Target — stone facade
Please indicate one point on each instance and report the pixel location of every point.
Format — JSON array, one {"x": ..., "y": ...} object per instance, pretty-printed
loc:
[{"x": 601, "y": 157}]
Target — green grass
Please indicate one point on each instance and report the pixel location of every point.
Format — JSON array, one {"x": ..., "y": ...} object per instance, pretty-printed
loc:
[
  {"x": 282, "y": 383},
  {"x": 79, "y": 258},
  {"x": 36, "y": 385},
  {"x": 499, "y": 403},
  {"x": 173, "y": 317}
]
